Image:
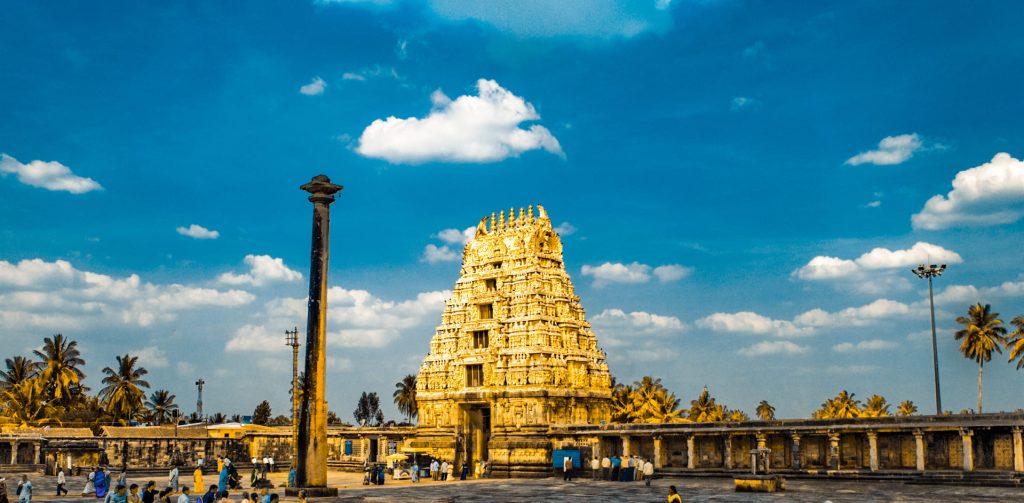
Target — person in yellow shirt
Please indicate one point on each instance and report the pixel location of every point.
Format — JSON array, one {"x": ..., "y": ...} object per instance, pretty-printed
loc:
[
  {"x": 198, "y": 480},
  {"x": 673, "y": 495},
  {"x": 220, "y": 464}
]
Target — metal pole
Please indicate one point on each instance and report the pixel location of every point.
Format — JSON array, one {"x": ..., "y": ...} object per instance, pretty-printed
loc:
[{"x": 935, "y": 351}]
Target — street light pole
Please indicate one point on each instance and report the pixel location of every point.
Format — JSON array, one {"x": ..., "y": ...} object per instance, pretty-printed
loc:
[
  {"x": 199, "y": 401},
  {"x": 932, "y": 271},
  {"x": 291, "y": 338}
]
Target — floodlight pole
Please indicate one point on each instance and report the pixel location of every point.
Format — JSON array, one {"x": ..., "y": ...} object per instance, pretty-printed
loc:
[{"x": 929, "y": 272}]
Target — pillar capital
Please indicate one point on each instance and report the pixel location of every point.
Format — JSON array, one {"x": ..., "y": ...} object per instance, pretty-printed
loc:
[
  {"x": 321, "y": 190},
  {"x": 872, "y": 435},
  {"x": 795, "y": 436},
  {"x": 966, "y": 432},
  {"x": 1016, "y": 429},
  {"x": 918, "y": 433}
]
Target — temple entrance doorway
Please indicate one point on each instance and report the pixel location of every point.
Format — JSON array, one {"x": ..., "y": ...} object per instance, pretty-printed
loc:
[{"x": 477, "y": 435}]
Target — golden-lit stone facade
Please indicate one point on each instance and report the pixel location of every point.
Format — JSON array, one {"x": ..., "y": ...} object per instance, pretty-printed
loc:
[{"x": 514, "y": 352}]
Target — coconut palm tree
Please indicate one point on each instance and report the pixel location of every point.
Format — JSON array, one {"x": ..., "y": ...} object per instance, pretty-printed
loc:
[
  {"x": 405, "y": 396},
  {"x": 161, "y": 406},
  {"x": 907, "y": 408},
  {"x": 842, "y": 406},
  {"x": 983, "y": 333},
  {"x": 658, "y": 405},
  {"x": 877, "y": 406},
  {"x": 1015, "y": 342},
  {"x": 26, "y": 404},
  {"x": 19, "y": 370},
  {"x": 737, "y": 416},
  {"x": 705, "y": 410},
  {"x": 123, "y": 396},
  {"x": 59, "y": 362},
  {"x": 624, "y": 406},
  {"x": 765, "y": 411}
]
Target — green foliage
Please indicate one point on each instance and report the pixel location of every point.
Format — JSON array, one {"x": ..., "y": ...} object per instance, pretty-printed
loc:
[
  {"x": 907, "y": 408},
  {"x": 162, "y": 408},
  {"x": 261, "y": 415},
  {"x": 59, "y": 360},
  {"x": 123, "y": 396},
  {"x": 19, "y": 369},
  {"x": 645, "y": 401},
  {"x": 765, "y": 411},
  {"x": 876, "y": 407},
  {"x": 983, "y": 333},
  {"x": 1015, "y": 342},
  {"x": 368, "y": 410},
  {"x": 705, "y": 410},
  {"x": 405, "y": 396},
  {"x": 842, "y": 406}
]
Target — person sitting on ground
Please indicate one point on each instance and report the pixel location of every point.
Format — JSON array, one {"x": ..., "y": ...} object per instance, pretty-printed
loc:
[{"x": 673, "y": 495}]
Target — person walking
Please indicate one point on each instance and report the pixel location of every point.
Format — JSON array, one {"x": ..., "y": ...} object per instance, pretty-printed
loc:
[
  {"x": 197, "y": 478},
  {"x": 291, "y": 477},
  {"x": 673, "y": 495},
  {"x": 25, "y": 490},
  {"x": 172, "y": 479},
  {"x": 444, "y": 471},
  {"x": 606, "y": 468},
  {"x": 414, "y": 473},
  {"x": 222, "y": 484},
  {"x": 648, "y": 472},
  {"x": 100, "y": 481},
  {"x": 567, "y": 469},
  {"x": 435, "y": 470},
  {"x": 61, "y": 482}
]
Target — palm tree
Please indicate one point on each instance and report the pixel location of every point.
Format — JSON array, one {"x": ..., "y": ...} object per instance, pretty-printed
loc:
[
  {"x": 161, "y": 406},
  {"x": 624, "y": 404},
  {"x": 907, "y": 408},
  {"x": 658, "y": 405},
  {"x": 123, "y": 396},
  {"x": 59, "y": 362},
  {"x": 876, "y": 407},
  {"x": 737, "y": 416},
  {"x": 705, "y": 410},
  {"x": 983, "y": 332},
  {"x": 26, "y": 405},
  {"x": 765, "y": 411},
  {"x": 405, "y": 396},
  {"x": 19, "y": 370},
  {"x": 1015, "y": 342},
  {"x": 842, "y": 406}
]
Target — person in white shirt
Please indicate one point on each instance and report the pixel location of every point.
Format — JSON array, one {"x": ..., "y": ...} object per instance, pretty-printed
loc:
[
  {"x": 61, "y": 481},
  {"x": 595, "y": 467},
  {"x": 648, "y": 472},
  {"x": 172, "y": 478}
]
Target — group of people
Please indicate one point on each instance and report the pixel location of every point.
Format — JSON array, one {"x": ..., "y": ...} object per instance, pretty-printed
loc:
[
  {"x": 618, "y": 468},
  {"x": 446, "y": 471}
]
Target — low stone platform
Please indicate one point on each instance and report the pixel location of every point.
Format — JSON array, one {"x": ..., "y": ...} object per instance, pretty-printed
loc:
[
  {"x": 760, "y": 484},
  {"x": 312, "y": 492}
]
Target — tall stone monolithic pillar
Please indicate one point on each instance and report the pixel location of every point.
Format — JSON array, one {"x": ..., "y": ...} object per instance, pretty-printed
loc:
[{"x": 312, "y": 449}]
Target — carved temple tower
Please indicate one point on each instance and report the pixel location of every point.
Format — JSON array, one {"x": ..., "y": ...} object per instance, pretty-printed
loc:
[{"x": 513, "y": 354}]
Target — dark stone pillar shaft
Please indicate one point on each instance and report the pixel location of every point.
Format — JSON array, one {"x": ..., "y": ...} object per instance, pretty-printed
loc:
[{"x": 312, "y": 439}]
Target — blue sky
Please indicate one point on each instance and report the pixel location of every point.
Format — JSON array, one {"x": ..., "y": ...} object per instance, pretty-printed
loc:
[{"x": 742, "y": 187}]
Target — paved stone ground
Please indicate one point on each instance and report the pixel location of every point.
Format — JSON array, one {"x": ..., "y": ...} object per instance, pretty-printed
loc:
[{"x": 555, "y": 490}]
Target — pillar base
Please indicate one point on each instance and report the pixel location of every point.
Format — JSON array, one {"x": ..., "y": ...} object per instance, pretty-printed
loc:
[{"x": 312, "y": 492}]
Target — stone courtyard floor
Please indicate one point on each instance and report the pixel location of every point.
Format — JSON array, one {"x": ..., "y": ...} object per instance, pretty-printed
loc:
[{"x": 555, "y": 490}]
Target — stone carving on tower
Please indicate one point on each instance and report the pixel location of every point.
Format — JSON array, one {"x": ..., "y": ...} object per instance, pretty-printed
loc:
[{"x": 514, "y": 352}]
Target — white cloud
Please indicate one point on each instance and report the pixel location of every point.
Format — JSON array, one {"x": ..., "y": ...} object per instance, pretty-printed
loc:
[
  {"x": 314, "y": 88},
  {"x": 671, "y": 272},
  {"x": 263, "y": 269},
  {"x": 990, "y": 194},
  {"x": 355, "y": 319},
  {"x": 565, "y": 229},
  {"x": 608, "y": 19},
  {"x": 750, "y": 322},
  {"x": 637, "y": 335},
  {"x": 185, "y": 368},
  {"x": 198, "y": 232},
  {"x": 364, "y": 74},
  {"x": 353, "y": 76},
  {"x": 470, "y": 129},
  {"x": 960, "y": 294},
  {"x": 151, "y": 357},
  {"x": 851, "y": 369},
  {"x": 457, "y": 237},
  {"x": 874, "y": 204},
  {"x": 609, "y": 272},
  {"x": 50, "y": 175},
  {"x": 433, "y": 254},
  {"x": 773, "y": 348},
  {"x": 37, "y": 294},
  {"x": 754, "y": 50},
  {"x": 869, "y": 345},
  {"x": 877, "y": 272},
  {"x": 891, "y": 150},
  {"x": 805, "y": 323},
  {"x": 741, "y": 102}
]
